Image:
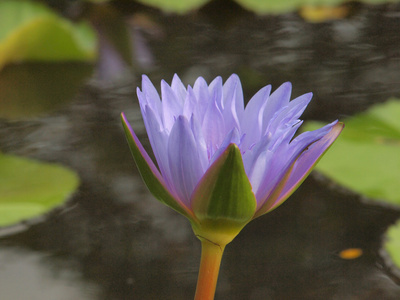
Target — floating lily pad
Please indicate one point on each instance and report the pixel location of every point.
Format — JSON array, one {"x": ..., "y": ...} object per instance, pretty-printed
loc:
[
  {"x": 325, "y": 9},
  {"x": 282, "y": 6},
  {"x": 366, "y": 157},
  {"x": 177, "y": 6},
  {"x": 392, "y": 244},
  {"x": 29, "y": 31},
  {"x": 30, "y": 188}
]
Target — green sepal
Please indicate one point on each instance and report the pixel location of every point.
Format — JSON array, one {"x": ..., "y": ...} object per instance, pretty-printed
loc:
[
  {"x": 223, "y": 201},
  {"x": 150, "y": 174}
]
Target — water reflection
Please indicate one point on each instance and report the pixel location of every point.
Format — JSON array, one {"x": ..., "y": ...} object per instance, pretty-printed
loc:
[
  {"x": 112, "y": 240},
  {"x": 31, "y": 89},
  {"x": 35, "y": 275}
]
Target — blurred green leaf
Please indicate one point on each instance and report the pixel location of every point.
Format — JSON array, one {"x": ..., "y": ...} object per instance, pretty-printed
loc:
[
  {"x": 30, "y": 32},
  {"x": 176, "y": 6},
  {"x": 366, "y": 157},
  {"x": 316, "y": 10},
  {"x": 392, "y": 243},
  {"x": 282, "y": 6},
  {"x": 30, "y": 188},
  {"x": 272, "y": 6}
]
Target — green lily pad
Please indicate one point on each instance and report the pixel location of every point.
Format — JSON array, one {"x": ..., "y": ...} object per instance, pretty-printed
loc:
[
  {"x": 392, "y": 243},
  {"x": 282, "y": 6},
  {"x": 29, "y": 31},
  {"x": 257, "y": 6},
  {"x": 176, "y": 6},
  {"x": 30, "y": 188},
  {"x": 366, "y": 157}
]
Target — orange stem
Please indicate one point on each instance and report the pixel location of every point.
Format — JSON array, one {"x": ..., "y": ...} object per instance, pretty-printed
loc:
[{"x": 211, "y": 255}]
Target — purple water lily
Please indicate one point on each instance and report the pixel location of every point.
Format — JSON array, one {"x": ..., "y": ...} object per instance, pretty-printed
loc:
[
  {"x": 191, "y": 127},
  {"x": 221, "y": 164}
]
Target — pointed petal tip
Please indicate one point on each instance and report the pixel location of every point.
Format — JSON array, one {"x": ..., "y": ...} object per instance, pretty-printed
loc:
[
  {"x": 337, "y": 128},
  {"x": 145, "y": 80},
  {"x": 150, "y": 174},
  {"x": 301, "y": 167},
  {"x": 308, "y": 95},
  {"x": 234, "y": 76}
]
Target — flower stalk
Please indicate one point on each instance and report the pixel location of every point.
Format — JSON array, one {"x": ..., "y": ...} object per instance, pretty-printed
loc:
[
  {"x": 222, "y": 164},
  {"x": 211, "y": 255}
]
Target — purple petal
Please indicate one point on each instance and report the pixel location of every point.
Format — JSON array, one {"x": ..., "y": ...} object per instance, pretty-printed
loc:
[
  {"x": 250, "y": 156},
  {"x": 298, "y": 168},
  {"x": 159, "y": 142},
  {"x": 258, "y": 172},
  {"x": 186, "y": 169},
  {"x": 147, "y": 158},
  {"x": 233, "y": 104},
  {"x": 178, "y": 88},
  {"x": 149, "y": 96},
  {"x": 307, "y": 160},
  {"x": 284, "y": 135},
  {"x": 276, "y": 101},
  {"x": 200, "y": 141},
  {"x": 150, "y": 174},
  {"x": 171, "y": 106},
  {"x": 215, "y": 90},
  {"x": 213, "y": 128},
  {"x": 149, "y": 90},
  {"x": 283, "y": 156},
  {"x": 202, "y": 95},
  {"x": 190, "y": 104},
  {"x": 233, "y": 137},
  {"x": 290, "y": 113},
  {"x": 251, "y": 122}
]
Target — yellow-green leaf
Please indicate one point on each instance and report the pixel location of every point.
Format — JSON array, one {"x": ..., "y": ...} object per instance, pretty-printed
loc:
[
  {"x": 29, "y": 188},
  {"x": 392, "y": 243},
  {"x": 176, "y": 6},
  {"x": 31, "y": 32}
]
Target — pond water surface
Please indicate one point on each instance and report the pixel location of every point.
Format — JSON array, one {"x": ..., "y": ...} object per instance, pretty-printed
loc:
[{"x": 112, "y": 240}]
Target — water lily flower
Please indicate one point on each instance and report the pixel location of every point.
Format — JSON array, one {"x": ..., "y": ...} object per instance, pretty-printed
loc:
[{"x": 221, "y": 164}]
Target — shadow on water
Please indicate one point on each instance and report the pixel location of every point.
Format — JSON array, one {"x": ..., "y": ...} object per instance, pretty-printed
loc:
[{"x": 113, "y": 241}]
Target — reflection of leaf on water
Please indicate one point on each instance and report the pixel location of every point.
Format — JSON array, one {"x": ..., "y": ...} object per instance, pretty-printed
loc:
[
  {"x": 31, "y": 89},
  {"x": 366, "y": 159},
  {"x": 31, "y": 32},
  {"x": 30, "y": 188},
  {"x": 317, "y": 14}
]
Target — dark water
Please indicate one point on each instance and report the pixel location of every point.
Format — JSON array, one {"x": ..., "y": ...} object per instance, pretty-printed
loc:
[{"x": 112, "y": 240}]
